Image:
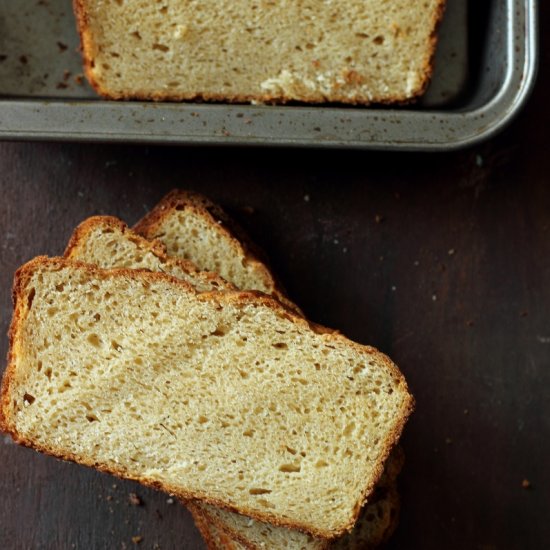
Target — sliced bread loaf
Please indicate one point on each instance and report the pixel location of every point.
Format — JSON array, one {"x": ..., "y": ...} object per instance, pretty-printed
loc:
[
  {"x": 107, "y": 242},
  {"x": 226, "y": 50},
  {"x": 225, "y": 397},
  {"x": 192, "y": 227}
]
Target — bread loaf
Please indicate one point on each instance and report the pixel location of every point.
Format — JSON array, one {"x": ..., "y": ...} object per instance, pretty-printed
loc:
[
  {"x": 260, "y": 50},
  {"x": 224, "y": 397}
]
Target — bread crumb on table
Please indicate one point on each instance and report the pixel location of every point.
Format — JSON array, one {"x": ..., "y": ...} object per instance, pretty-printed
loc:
[{"x": 134, "y": 499}]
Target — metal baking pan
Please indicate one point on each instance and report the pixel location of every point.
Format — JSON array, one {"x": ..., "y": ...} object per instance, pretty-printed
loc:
[{"x": 485, "y": 68}]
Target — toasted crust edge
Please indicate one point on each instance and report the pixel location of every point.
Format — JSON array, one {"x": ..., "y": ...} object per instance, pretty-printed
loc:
[
  {"x": 215, "y": 538},
  {"x": 22, "y": 277}
]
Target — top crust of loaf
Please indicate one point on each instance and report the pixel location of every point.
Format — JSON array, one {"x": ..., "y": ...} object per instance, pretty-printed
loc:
[
  {"x": 229, "y": 235},
  {"x": 306, "y": 72},
  {"x": 23, "y": 300}
]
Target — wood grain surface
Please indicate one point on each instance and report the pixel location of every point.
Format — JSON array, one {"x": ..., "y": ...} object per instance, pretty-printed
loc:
[{"x": 442, "y": 261}]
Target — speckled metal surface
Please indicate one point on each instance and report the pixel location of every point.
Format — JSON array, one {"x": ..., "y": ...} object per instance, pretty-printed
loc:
[{"x": 43, "y": 95}]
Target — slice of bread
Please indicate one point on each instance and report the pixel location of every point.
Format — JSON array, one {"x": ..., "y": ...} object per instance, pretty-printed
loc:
[
  {"x": 192, "y": 227},
  {"x": 376, "y": 522},
  {"x": 226, "y": 397},
  {"x": 214, "y": 538},
  {"x": 356, "y": 52},
  {"x": 109, "y": 243}
]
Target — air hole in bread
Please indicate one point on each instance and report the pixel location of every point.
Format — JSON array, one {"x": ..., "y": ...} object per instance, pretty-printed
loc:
[
  {"x": 30, "y": 298},
  {"x": 348, "y": 430},
  {"x": 94, "y": 340},
  {"x": 290, "y": 468},
  {"x": 160, "y": 47},
  {"x": 51, "y": 311},
  {"x": 64, "y": 387},
  {"x": 92, "y": 418},
  {"x": 259, "y": 491},
  {"x": 280, "y": 345},
  {"x": 115, "y": 345},
  {"x": 28, "y": 399}
]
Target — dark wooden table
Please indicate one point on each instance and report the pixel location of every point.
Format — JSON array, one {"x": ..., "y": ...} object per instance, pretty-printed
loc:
[{"x": 442, "y": 261}]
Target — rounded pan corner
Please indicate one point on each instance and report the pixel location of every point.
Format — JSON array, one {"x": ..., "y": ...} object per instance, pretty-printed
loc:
[{"x": 486, "y": 121}]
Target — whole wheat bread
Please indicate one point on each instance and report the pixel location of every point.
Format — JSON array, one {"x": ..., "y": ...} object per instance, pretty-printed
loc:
[
  {"x": 226, "y": 50},
  {"x": 231, "y": 398}
]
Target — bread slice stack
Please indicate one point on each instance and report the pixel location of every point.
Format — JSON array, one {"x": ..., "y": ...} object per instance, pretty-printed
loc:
[{"x": 131, "y": 360}]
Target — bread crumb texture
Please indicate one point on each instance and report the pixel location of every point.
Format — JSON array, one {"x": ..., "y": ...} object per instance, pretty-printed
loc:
[
  {"x": 222, "y": 396},
  {"x": 260, "y": 50},
  {"x": 376, "y": 522},
  {"x": 107, "y": 242}
]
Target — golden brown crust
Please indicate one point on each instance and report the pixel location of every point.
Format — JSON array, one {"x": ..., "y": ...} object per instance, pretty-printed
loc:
[
  {"x": 202, "y": 525},
  {"x": 224, "y": 225},
  {"x": 21, "y": 301},
  {"x": 79, "y": 237},
  {"x": 222, "y": 527},
  {"x": 214, "y": 538}
]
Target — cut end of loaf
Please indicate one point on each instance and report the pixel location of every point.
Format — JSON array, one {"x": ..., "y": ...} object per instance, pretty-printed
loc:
[
  {"x": 274, "y": 52},
  {"x": 232, "y": 398}
]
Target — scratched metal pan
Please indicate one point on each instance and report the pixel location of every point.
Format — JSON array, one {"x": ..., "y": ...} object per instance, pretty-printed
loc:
[{"x": 485, "y": 68}]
